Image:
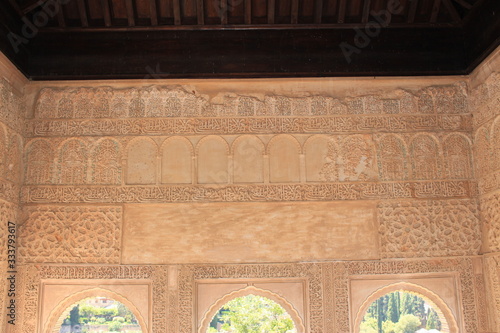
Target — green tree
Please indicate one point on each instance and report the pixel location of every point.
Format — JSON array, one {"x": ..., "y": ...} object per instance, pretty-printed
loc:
[
  {"x": 433, "y": 321},
  {"x": 74, "y": 315},
  {"x": 393, "y": 307},
  {"x": 406, "y": 304},
  {"x": 255, "y": 314},
  {"x": 407, "y": 324}
]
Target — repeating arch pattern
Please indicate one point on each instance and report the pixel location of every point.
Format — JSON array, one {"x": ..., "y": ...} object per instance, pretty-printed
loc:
[{"x": 319, "y": 158}]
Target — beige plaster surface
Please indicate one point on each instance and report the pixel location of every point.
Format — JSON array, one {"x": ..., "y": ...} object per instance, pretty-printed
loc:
[{"x": 248, "y": 232}]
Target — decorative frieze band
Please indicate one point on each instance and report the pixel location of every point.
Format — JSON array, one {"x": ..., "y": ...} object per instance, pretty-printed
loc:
[
  {"x": 248, "y": 193},
  {"x": 241, "y": 125}
]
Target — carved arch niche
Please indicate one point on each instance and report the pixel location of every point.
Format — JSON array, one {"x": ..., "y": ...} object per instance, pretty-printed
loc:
[
  {"x": 316, "y": 156},
  {"x": 212, "y": 154},
  {"x": 457, "y": 157},
  {"x": 248, "y": 160},
  {"x": 176, "y": 161},
  {"x": 284, "y": 159},
  {"x": 39, "y": 162},
  {"x": 392, "y": 158},
  {"x": 141, "y": 161},
  {"x": 425, "y": 156}
]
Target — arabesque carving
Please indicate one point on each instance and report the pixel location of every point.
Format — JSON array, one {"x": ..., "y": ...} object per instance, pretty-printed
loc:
[
  {"x": 252, "y": 193},
  {"x": 184, "y": 102},
  {"x": 438, "y": 228},
  {"x": 70, "y": 234},
  {"x": 247, "y": 125}
]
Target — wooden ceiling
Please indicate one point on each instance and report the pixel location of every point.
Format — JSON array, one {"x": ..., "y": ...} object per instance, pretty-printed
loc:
[{"x": 108, "y": 39}]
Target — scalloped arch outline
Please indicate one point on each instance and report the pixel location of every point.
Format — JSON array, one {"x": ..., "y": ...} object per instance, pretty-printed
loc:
[
  {"x": 61, "y": 310},
  {"x": 435, "y": 301},
  {"x": 251, "y": 290}
]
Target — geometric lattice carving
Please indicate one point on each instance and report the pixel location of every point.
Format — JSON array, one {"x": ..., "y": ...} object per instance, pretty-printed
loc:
[
  {"x": 71, "y": 234},
  {"x": 429, "y": 228}
]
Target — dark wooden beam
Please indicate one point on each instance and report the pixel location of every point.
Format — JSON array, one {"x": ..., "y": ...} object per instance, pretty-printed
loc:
[
  {"x": 452, "y": 11},
  {"x": 200, "y": 13},
  {"x": 341, "y": 16},
  {"x": 271, "y": 7},
  {"x": 82, "y": 11},
  {"x": 16, "y": 7},
  {"x": 464, "y": 4},
  {"x": 244, "y": 53},
  {"x": 435, "y": 11},
  {"x": 294, "y": 12},
  {"x": 366, "y": 11},
  {"x": 248, "y": 12},
  {"x": 60, "y": 18},
  {"x": 32, "y": 4},
  {"x": 318, "y": 11},
  {"x": 153, "y": 13},
  {"x": 223, "y": 11},
  {"x": 177, "y": 12},
  {"x": 130, "y": 12},
  {"x": 412, "y": 11},
  {"x": 106, "y": 12}
]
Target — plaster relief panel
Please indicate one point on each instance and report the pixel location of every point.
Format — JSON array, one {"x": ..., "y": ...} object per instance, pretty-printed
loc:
[
  {"x": 13, "y": 160},
  {"x": 357, "y": 162},
  {"x": 248, "y": 232},
  {"x": 457, "y": 157},
  {"x": 39, "y": 155},
  {"x": 71, "y": 234},
  {"x": 72, "y": 162},
  {"x": 392, "y": 158},
  {"x": 248, "y": 160},
  {"x": 106, "y": 162},
  {"x": 429, "y": 228},
  {"x": 141, "y": 161},
  {"x": 425, "y": 157},
  {"x": 212, "y": 154},
  {"x": 176, "y": 161},
  {"x": 284, "y": 164}
]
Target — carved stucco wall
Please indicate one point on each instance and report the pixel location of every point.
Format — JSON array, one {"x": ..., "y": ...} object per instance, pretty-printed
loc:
[
  {"x": 104, "y": 162},
  {"x": 12, "y": 110},
  {"x": 485, "y": 101}
]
